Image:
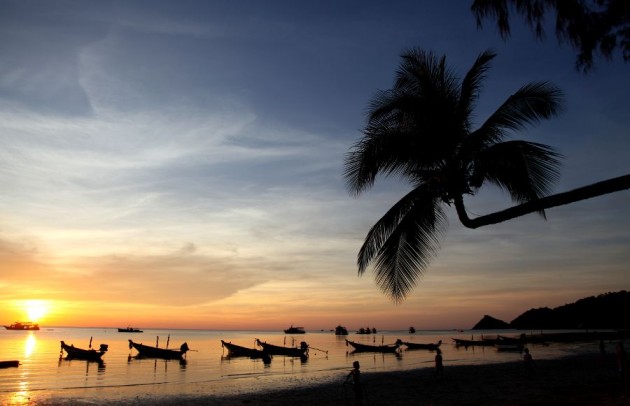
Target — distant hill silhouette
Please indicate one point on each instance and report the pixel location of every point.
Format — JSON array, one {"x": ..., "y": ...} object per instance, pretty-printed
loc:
[
  {"x": 606, "y": 311},
  {"x": 490, "y": 323}
]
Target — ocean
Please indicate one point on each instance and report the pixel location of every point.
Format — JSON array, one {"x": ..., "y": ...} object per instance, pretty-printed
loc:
[{"x": 44, "y": 372}]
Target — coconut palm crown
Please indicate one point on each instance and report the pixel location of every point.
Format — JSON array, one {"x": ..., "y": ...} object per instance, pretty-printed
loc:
[{"x": 421, "y": 130}]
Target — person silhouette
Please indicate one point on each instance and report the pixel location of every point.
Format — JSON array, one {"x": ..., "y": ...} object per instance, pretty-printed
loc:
[
  {"x": 528, "y": 361},
  {"x": 355, "y": 375},
  {"x": 622, "y": 358},
  {"x": 439, "y": 365}
]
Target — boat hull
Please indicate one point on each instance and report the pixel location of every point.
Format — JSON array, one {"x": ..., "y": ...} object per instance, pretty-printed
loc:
[
  {"x": 240, "y": 351},
  {"x": 9, "y": 364},
  {"x": 155, "y": 352},
  {"x": 373, "y": 348},
  {"x": 301, "y": 352},
  {"x": 472, "y": 343},
  {"x": 420, "y": 346},
  {"x": 80, "y": 353}
]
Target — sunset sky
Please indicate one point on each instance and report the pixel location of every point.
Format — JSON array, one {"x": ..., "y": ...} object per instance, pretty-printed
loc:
[{"x": 180, "y": 165}]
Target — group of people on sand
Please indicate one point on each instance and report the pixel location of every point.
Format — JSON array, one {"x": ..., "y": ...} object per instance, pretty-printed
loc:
[{"x": 354, "y": 377}]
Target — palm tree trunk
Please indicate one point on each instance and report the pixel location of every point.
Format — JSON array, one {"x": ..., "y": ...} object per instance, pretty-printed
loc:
[{"x": 575, "y": 195}]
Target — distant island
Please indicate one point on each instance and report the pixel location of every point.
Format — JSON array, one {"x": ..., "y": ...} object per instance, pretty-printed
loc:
[{"x": 606, "y": 311}]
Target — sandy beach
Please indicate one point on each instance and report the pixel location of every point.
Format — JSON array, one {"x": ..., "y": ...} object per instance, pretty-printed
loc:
[{"x": 576, "y": 380}]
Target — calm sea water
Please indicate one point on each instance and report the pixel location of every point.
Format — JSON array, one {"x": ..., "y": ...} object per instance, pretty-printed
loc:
[{"x": 43, "y": 374}]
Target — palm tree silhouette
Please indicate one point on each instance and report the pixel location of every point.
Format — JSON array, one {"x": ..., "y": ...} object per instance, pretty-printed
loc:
[{"x": 420, "y": 129}]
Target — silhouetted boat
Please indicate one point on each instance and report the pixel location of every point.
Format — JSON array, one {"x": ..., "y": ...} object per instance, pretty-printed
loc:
[
  {"x": 412, "y": 330},
  {"x": 240, "y": 351},
  {"x": 155, "y": 352},
  {"x": 9, "y": 364},
  {"x": 460, "y": 342},
  {"x": 80, "y": 353},
  {"x": 341, "y": 331},
  {"x": 301, "y": 351},
  {"x": 129, "y": 330},
  {"x": 295, "y": 330},
  {"x": 27, "y": 325},
  {"x": 420, "y": 346},
  {"x": 505, "y": 339},
  {"x": 374, "y": 348}
]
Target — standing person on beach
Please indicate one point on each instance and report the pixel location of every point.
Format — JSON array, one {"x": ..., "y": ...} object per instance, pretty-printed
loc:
[
  {"x": 622, "y": 358},
  {"x": 439, "y": 365},
  {"x": 528, "y": 361},
  {"x": 355, "y": 374}
]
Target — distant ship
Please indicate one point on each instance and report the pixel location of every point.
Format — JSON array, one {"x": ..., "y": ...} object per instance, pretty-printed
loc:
[
  {"x": 129, "y": 330},
  {"x": 27, "y": 325},
  {"x": 295, "y": 330}
]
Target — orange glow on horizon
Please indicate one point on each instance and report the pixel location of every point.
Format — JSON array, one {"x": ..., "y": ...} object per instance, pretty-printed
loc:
[
  {"x": 32, "y": 310},
  {"x": 36, "y": 309}
]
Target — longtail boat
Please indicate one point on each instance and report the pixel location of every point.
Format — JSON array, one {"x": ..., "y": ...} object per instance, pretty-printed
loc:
[
  {"x": 80, "y": 353},
  {"x": 155, "y": 352},
  {"x": 9, "y": 364},
  {"x": 301, "y": 351},
  {"x": 240, "y": 351},
  {"x": 358, "y": 347},
  {"x": 420, "y": 346},
  {"x": 460, "y": 342}
]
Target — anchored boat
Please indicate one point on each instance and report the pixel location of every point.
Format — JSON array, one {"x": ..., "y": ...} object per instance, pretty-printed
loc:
[
  {"x": 27, "y": 325},
  {"x": 156, "y": 352},
  {"x": 80, "y": 353}
]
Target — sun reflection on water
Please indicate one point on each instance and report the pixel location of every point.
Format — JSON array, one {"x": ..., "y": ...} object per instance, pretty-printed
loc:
[
  {"x": 29, "y": 345},
  {"x": 22, "y": 396}
]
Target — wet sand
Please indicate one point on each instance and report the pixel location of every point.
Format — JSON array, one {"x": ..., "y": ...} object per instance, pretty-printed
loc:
[{"x": 577, "y": 380}]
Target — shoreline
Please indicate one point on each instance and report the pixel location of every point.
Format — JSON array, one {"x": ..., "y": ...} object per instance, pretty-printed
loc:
[{"x": 585, "y": 379}]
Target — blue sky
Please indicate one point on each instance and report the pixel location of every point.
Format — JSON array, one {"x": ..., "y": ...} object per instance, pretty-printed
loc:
[{"x": 187, "y": 158}]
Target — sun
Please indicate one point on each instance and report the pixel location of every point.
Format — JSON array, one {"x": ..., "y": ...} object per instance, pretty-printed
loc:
[{"x": 36, "y": 309}]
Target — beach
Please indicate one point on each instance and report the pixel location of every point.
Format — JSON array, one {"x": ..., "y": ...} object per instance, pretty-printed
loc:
[{"x": 587, "y": 379}]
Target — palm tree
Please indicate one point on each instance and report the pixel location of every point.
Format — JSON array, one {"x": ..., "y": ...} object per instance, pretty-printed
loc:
[{"x": 421, "y": 131}]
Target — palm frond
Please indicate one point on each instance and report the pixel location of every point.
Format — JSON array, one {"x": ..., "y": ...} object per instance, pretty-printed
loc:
[
  {"x": 471, "y": 84},
  {"x": 403, "y": 242},
  {"x": 527, "y": 170},
  {"x": 529, "y": 105},
  {"x": 383, "y": 151},
  {"x": 427, "y": 77}
]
